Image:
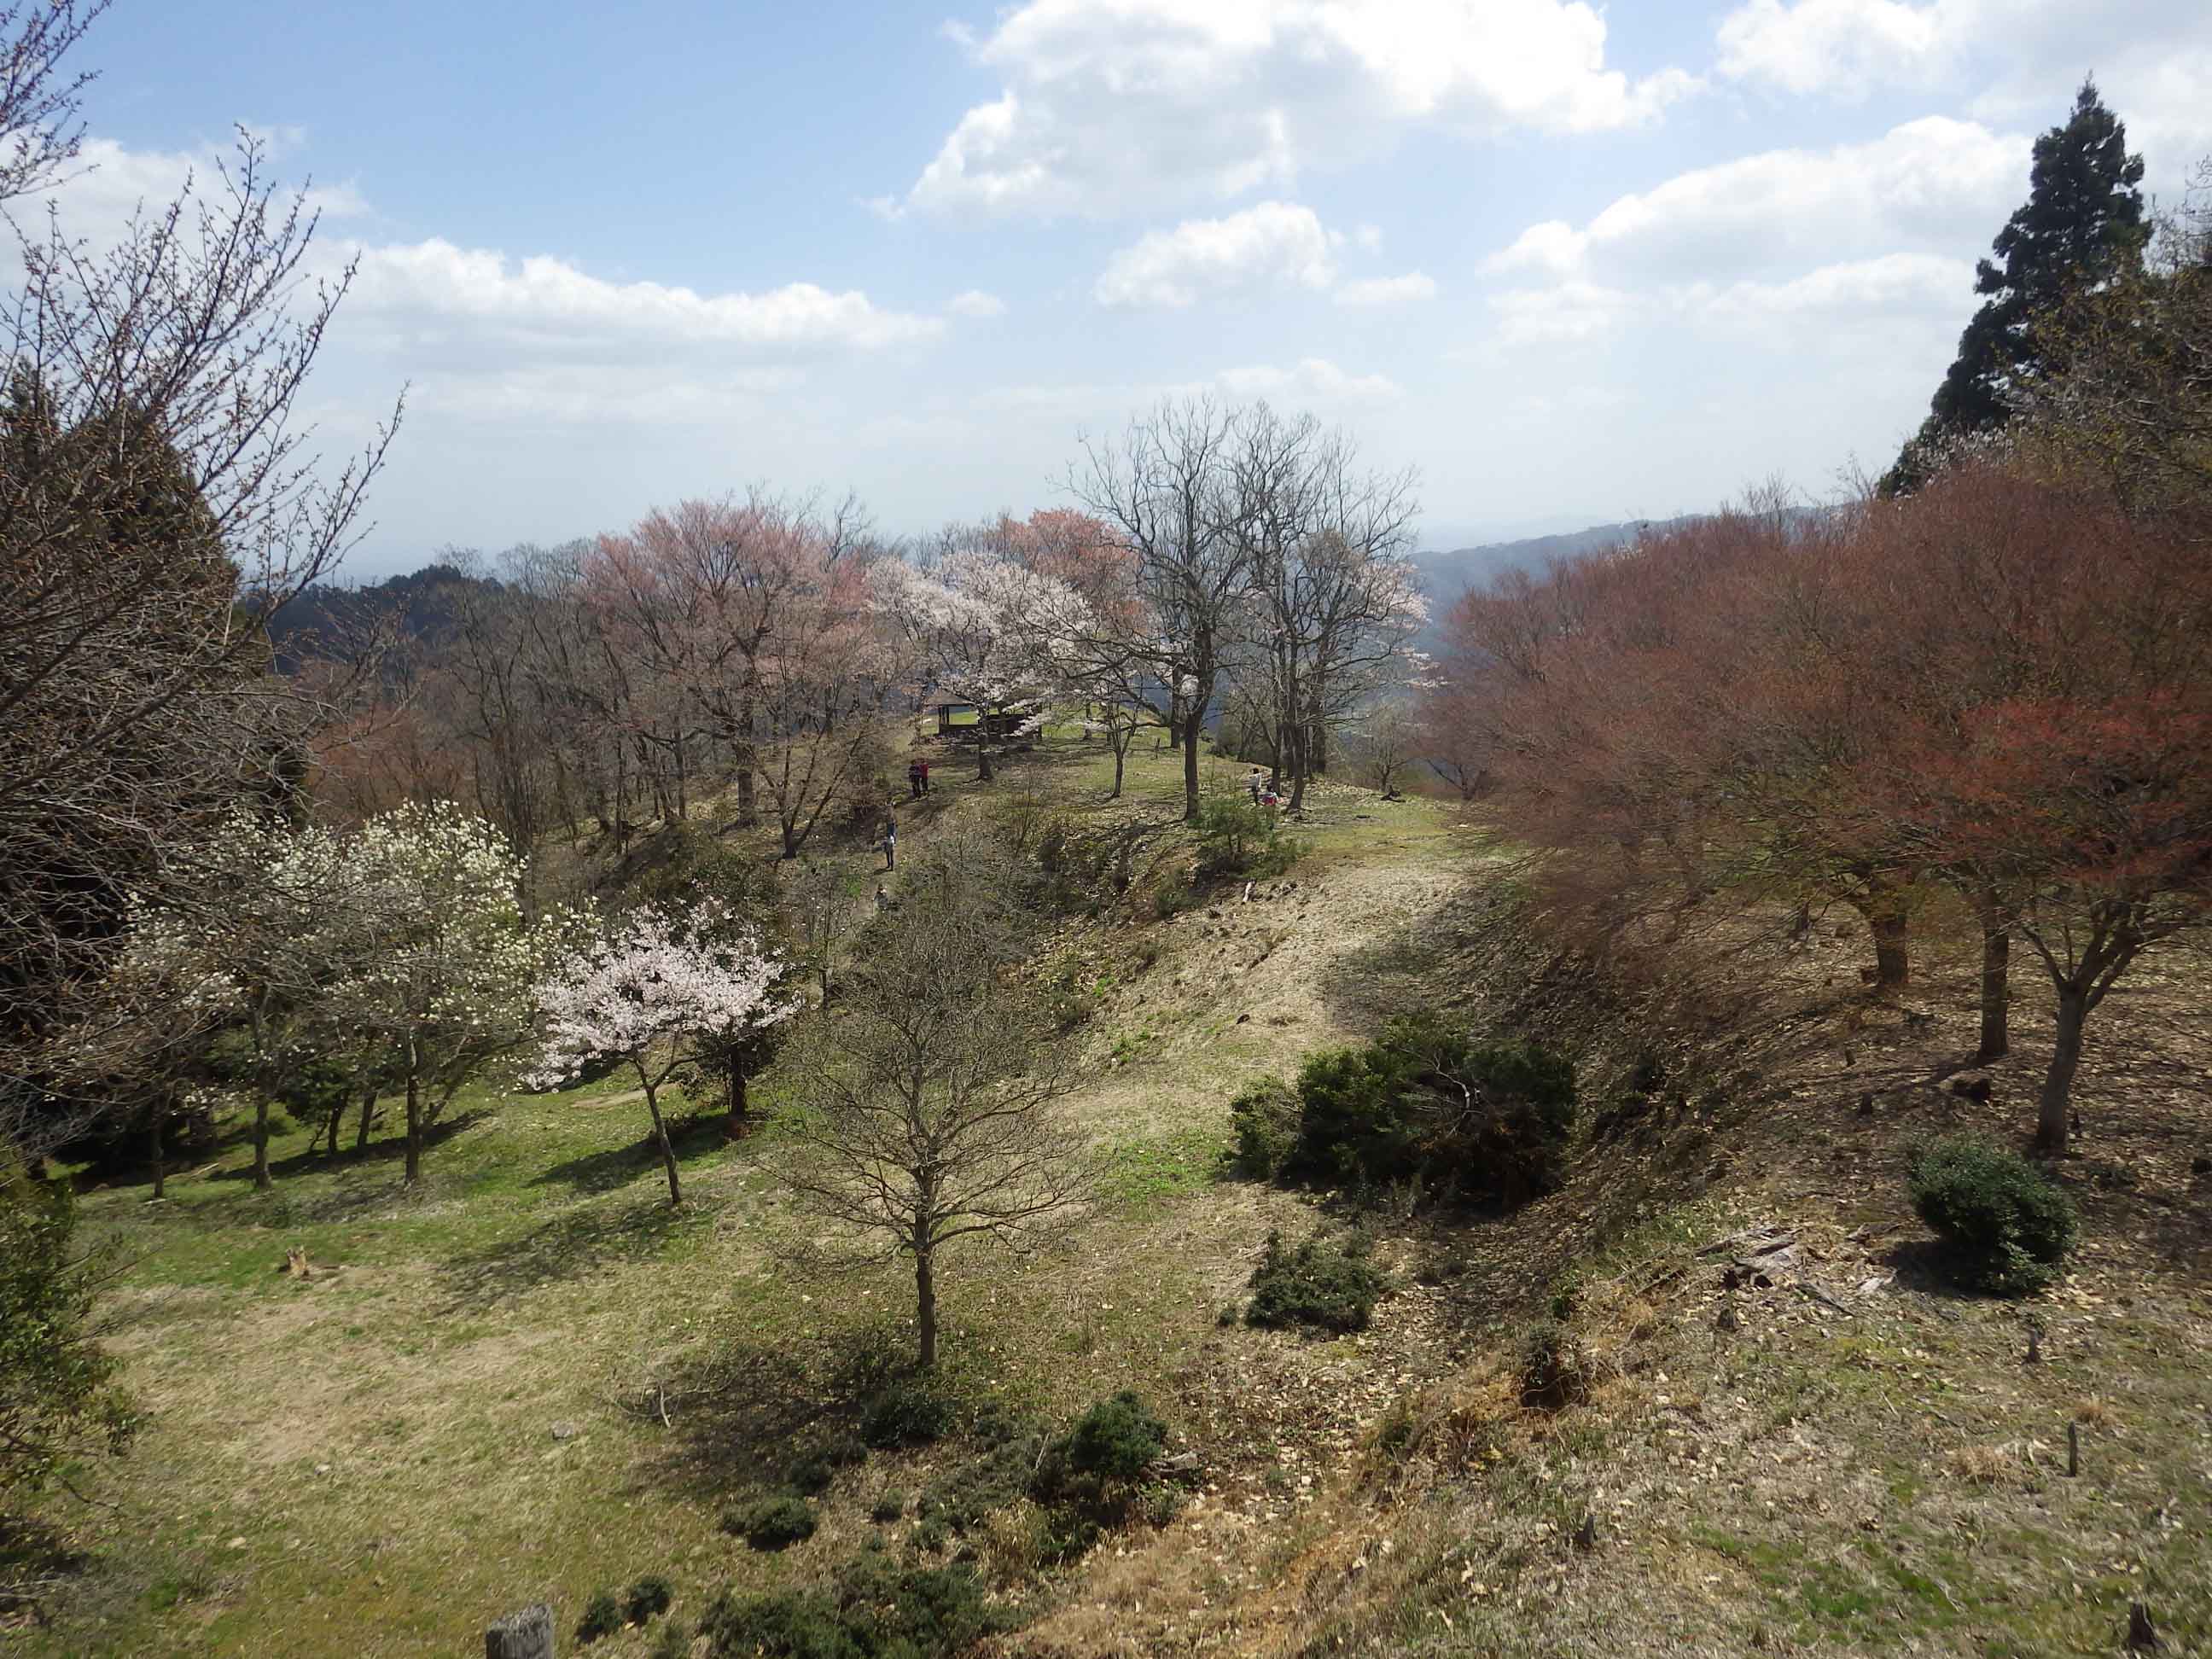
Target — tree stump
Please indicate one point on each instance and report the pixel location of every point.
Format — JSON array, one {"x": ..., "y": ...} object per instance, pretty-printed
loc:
[
  {"x": 525, "y": 1634},
  {"x": 2140, "y": 1635}
]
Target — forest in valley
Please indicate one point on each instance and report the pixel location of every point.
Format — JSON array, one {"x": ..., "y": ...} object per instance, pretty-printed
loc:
[{"x": 1117, "y": 1076}]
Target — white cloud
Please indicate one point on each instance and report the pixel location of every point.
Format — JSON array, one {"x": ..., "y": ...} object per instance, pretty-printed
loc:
[
  {"x": 436, "y": 287},
  {"x": 1917, "y": 188},
  {"x": 1571, "y": 311},
  {"x": 975, "y": 302},
  {"x": 1896, "y": 285},
  {"x": 1895, "y": 291},
  {"x": 2019, "y": 59},
  {"x": 1310, "y": 380},
  {"x": 1108, "y": 106},
  {"x": 1370, "y": 291},
  {"x": 1275, "y": 241},
  {"x": 1834, "y": 46}
]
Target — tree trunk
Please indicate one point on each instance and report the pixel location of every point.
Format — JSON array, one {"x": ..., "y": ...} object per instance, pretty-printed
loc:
[
  {"x": 1190, "y": 729},
  {"x": 1120, "y": 754},
  {"x": 525, "y": 1634},
  {"x": 667, "y": 1152},
  {"x": 261, "y": 1182},
  {"x": 1893, "y": 962},
  {"x": 414, "y": 1114},
  {"x": 367, "y": 1117},
  {"x": 746, "y": 808},
  {"x": 925, "y": 1305},
  {"x": 156, "y": 1116},
  {"x": 1996, "y": 968},
  {"x": 982, "y": 758},
  {"x": 2058, "y": 1100},
  {"x": 736, "y": 1127}
]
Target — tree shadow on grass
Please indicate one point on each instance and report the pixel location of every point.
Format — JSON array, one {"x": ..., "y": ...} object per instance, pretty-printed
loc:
[
  {"x": 739, "y": 1416},
  {"x": 569, "y": 1245},
  {"x": 391, "y": 1148},
  {"x": 617, "y": 1166}
]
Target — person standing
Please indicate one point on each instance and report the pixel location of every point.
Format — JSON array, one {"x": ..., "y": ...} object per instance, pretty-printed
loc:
[
  {"x": 890, "y": 842},
  {"x": 914, "y": 774},
  {"x": 924, "y": 764}
]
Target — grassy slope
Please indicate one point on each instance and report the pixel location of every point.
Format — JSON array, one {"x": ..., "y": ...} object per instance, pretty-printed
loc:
[{"x": 365, "y": 1464}]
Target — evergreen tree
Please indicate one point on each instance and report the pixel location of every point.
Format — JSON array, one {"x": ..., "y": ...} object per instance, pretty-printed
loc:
[{"x": 2081, "y": 224}]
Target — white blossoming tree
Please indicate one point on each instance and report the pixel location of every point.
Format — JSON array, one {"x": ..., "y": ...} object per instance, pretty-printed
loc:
[
  {"x": 978, "y": 623},
  {"x": 651, "y": 990},
  {"x": 441, "y": 966},
  {"x": 245, "y": 944}
]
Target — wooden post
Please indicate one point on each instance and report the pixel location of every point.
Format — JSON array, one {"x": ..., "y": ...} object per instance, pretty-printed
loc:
[
  {"x": 2073, "y": 1449},
  {"x": 525, "y": 1634}
]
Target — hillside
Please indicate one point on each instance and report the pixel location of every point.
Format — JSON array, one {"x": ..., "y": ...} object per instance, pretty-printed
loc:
[{"x": 531, "y": 1379}]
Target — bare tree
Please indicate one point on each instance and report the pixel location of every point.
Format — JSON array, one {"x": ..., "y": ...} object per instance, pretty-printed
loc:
[
  {"x": 156, "y": 504},
  {"x": 1334, "y": 602},
  {"x": 40, "y": 131},
  {"x": 1162, "y": 642},
  {"x": 923, "y": 1112}
]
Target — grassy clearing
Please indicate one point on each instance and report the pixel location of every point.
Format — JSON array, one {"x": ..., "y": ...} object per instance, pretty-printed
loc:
[
  {"x": 462, "y": 1414},
  {"x": 367, "y": 1463}
]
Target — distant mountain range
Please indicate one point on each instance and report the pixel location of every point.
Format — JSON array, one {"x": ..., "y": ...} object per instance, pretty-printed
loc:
[
  {"x": 1449, "y": 574},
  {"x": 423, "y": 599}
]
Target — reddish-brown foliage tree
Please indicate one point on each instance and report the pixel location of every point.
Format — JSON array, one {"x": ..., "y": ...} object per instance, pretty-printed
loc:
[{"x": 1998, "y": 685}]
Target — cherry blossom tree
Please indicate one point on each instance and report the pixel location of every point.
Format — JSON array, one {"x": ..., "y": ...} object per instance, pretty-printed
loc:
[
  {"x": 984, "y": 627},
  {"x": 440, "y": 965},
  {"x": 253, "y": 952},
  {"x": 648, "y": 992}
]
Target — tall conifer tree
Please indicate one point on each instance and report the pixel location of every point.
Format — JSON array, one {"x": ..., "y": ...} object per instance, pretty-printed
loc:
[{"x": 2081, "y": 224}]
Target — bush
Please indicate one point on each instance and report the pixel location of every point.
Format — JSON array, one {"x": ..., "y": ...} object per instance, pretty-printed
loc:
[
  {"x": 1329, "y": 1286},
  {"x": 649, "y": 1599},
  {"x": 674, "y": 1642},
  {"x": 810, "y": 1476},
  {"x": 57, "y": 1398},
  {"x": 773, "y": 1523},
  {"x": 1265, "y": 1116},
  {"x": 2008, "y": 1223},
  {"x": 871, "y": 1610},
  {"x": 1555, "y": 1371},
  {"x": 602, "y": 1617},
  {"x": 1237, "y": 838},
  {"x": 1116, "y": 1439},
  {"x": 889, "y": 1505},
  {"x": 907, "y": 1414},
  {"x": 1423, "y": 1104}
]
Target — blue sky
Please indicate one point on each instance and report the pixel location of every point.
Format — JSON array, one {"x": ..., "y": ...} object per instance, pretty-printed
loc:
[{"x": 1573, "y": 264}]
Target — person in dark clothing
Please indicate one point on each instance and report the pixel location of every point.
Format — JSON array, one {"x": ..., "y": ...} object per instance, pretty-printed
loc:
[
  {"x": 915, "y": 774},
  {"x": 891, "y": 843},
  {"x": 924, "y": 764}
]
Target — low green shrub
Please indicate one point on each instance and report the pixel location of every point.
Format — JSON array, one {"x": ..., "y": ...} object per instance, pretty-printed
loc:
[
  {"x": 1237, "y": 838},
  {"x": 674, "y": 1642},
  {"x": 1555, "y": 1369},
  {"x": 2009, "y": 1225},
  {"x": 1321, "y": 1283},
  {"x": 889, "y": 1505},
  {"x": 648, "y": 1598},
  {"x": 602, "y": 1617},
  {"x": 773, "y": 1523},
  {"x": 909, "y": 1413},
  {"x": 1423, "y": 1105},
  {"x": 870, "y": 1609},
  {"x": 1116, "y": 1439},
  {"x": 810, "y": 1476},
  {"x": 1265, "y": 1118}
]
